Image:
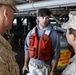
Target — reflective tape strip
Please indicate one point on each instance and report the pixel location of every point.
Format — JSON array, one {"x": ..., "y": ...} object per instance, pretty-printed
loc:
[{"x": 47, "y": 32}]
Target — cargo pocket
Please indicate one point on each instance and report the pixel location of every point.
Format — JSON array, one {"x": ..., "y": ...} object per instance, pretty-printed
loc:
[{"x": 31, "y": 52}]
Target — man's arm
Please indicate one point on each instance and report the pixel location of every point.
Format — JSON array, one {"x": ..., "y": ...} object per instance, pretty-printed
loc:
[
  {"x": 54, "y": 65},
  {"x": 26, "y": 64},
  {"x": 53, "y": 69},
  {"x": 26, "y": 59},
  {"x": 56, "y": 51}
]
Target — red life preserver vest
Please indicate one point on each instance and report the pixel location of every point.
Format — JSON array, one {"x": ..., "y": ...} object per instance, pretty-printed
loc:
[{"x": 42, "y": 48}]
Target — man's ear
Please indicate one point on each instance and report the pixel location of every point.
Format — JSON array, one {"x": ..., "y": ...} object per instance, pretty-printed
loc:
[
  {"x": 73, "y": 37},
  {"x": 5, "y": 13},
  {"x": 37, "y": 18}
]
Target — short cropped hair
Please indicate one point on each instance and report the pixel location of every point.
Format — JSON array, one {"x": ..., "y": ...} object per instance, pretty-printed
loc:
[
  {"x": 72, "y": 31},
  {"x": 44, "y": 12}
]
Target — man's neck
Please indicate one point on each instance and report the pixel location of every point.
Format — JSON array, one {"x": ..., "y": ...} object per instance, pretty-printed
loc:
[
  {"x": 1, "y": 30},
  {"x": 41, "y": 27}
]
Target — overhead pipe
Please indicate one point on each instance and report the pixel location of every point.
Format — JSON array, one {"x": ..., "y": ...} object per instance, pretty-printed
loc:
[
  {"x": 47, "y": 4},
  {"x": 55, "y": 19}
]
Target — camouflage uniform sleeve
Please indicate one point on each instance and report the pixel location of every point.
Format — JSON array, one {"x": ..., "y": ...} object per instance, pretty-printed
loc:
[{"x": 3, "y": 69}]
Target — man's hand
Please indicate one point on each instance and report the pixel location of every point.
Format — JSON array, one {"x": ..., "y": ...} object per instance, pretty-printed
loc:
[
  {"x": 52, "y": 73},
  {"x": 25, "y": 68}
]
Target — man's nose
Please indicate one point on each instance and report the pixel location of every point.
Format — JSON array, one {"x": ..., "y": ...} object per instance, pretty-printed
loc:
[{"x": 45, "y": 19}]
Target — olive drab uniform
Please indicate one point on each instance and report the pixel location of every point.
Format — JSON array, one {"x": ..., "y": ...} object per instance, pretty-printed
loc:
[{"x": 8, "y": 65}]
